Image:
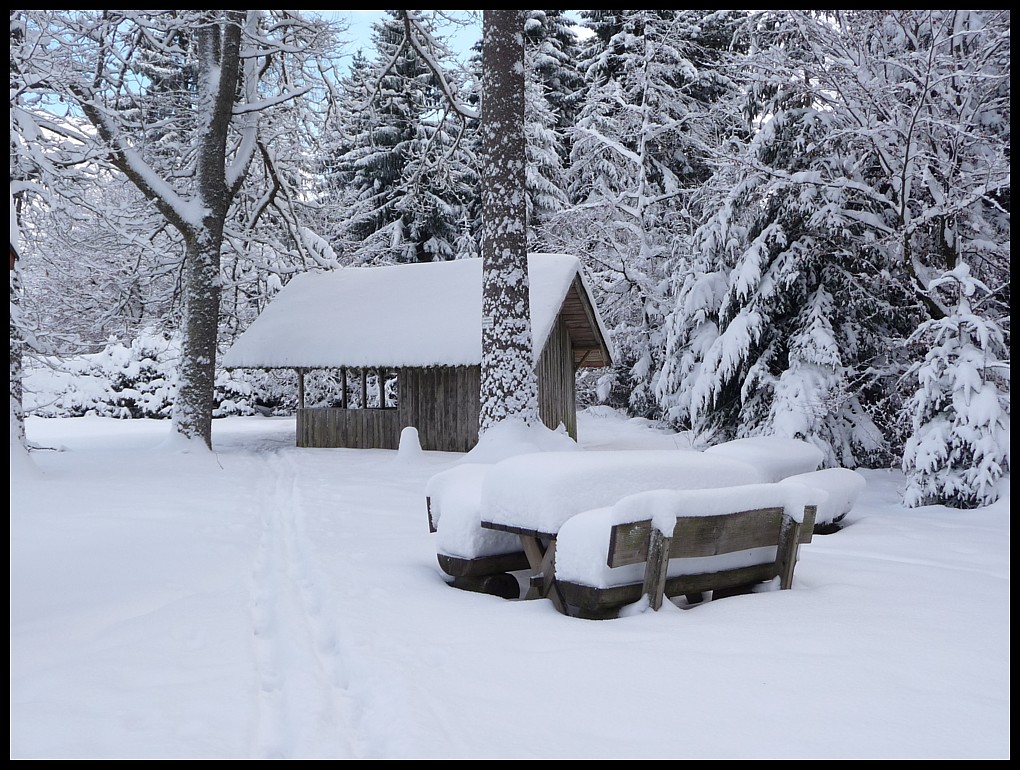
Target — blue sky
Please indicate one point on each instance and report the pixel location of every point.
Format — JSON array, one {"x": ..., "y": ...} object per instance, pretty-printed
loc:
[
  {"x": 461, "y": 38},
  {"x": 360, "y": 28}
]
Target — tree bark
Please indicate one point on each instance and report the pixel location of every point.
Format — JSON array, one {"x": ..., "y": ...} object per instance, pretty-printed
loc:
[
  {"x": 17, "y": 349},
  {"x": 509, "y": 388},
  {"x": 220, "y": 54}
]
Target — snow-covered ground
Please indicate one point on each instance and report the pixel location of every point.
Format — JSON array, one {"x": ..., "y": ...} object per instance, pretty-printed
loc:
[{"x": 265, "y": 601}]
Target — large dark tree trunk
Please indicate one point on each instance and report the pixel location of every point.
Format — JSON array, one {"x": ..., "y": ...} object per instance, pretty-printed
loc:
[{"x": 509, "y": 389}]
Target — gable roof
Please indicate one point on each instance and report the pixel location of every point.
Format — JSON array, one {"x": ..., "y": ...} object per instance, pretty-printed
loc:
[{"x": 413, "y": 315}]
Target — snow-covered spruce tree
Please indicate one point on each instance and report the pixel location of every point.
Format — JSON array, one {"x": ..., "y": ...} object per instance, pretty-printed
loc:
[
  {"x": 554, "y": 50},
  {"x": 349, "y": 119},
  {"x": 637, "y": 159},
  {"x": 410, "y": 180},
  {"x": 958, "y": 449},
  {"x": 544, "y": 144},
  {"x": 509, "y": 388},
  {"x": 756, "y": 342},
  {"x": 175, "y": 101},
  {"x": 884, "y": 136}
]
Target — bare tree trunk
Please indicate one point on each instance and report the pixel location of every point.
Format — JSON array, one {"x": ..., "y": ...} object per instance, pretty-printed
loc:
[
  {"x": 17, "y": 348},
  {"x": 509, "y": 388},
  {"x": 220, "y": 53},
  {"x": 194, "y": 404}
]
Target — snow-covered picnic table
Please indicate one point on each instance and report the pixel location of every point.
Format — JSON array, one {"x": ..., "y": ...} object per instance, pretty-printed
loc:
[{"x": 484, "y": 512}]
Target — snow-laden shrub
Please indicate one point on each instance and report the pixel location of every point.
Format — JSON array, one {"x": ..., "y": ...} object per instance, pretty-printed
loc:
[
  {"x": 123, "y": 381},
  {"x": 142, "y": 378},
  {"x": 246, "y": 392},
  {"x": 139, "y": 380}
]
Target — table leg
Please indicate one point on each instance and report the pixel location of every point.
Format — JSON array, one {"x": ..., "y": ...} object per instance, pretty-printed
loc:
[{"x": 541, "y": 553}]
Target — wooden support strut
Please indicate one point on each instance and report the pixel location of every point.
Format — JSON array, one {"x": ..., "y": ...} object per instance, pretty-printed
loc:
[
  {"x": 585, "y": 357},
  {"x": 541, "y": 553}
]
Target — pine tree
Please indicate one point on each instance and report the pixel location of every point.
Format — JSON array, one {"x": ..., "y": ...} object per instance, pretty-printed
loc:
[
  {"x": 411, "y": 180},
  {"x": 757, "y": 305},
  {"x": 638, "y": 159},
  {"x": 879, "y": 159},
  {"x": 350, "y": 119},
  {"x": 544, "y": 143},
  {"x": 958, "y": 449},
  {"x": 554, "y": 52}
]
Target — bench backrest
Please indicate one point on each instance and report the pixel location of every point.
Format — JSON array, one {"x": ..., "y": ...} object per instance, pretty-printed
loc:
[{"x": 711, "y": 535}]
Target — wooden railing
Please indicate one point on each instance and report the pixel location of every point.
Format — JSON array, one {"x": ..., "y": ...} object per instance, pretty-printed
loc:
[{"x": 362, "y": 428}]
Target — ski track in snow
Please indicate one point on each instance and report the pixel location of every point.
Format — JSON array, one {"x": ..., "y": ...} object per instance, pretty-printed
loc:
[
  {"x": 304, "y": 707},
  {"x": 329, "y": 686}
]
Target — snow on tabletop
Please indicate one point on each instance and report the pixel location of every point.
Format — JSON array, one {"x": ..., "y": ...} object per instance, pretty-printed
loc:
[
  {"x": 342, "y": 318},
  {"x": 842, "y": 485},
  {"x": 541, "y": 491},
  {"x": 582, "y": 544},
  {"x": 774, "y": 456}
]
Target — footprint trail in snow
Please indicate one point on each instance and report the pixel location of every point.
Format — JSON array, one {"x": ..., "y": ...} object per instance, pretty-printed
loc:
[{"x": 304, "y": 710}]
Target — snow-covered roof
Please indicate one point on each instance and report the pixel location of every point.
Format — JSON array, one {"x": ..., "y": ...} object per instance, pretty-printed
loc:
[{"x": 421, "y": 314}]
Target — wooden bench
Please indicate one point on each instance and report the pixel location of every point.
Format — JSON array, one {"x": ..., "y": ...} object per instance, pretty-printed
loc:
[{"x": 770, "y": 529}]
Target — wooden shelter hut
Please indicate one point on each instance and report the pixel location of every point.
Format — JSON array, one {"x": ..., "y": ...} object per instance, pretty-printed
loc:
[{"x": 406, "y": 342}]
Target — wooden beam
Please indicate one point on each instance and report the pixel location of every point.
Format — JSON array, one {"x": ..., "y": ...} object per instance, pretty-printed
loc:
[
  {"x": 584, "y": 358},
  {"x": 589, "y": 312}
]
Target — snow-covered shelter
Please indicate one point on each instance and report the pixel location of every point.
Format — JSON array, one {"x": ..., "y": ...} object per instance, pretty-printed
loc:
[{"x": 411, "y": 337}]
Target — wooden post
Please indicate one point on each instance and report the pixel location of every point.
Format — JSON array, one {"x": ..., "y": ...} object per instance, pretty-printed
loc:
[
  {"x": 343, "y": 387},
  {"x": 381, "y": 374},
  {"x": 300, "y": 388},
  {"x": 786, "y": 551},
  {"x": 364, "y": 388},
  {"x": 655, "y": 567}
]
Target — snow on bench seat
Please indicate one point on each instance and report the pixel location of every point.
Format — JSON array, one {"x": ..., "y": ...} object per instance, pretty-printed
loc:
[
  {"x": 773, "y": 456},
  {"x": 539, "y": 492},
  {"x": 842, "y": 485}
]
